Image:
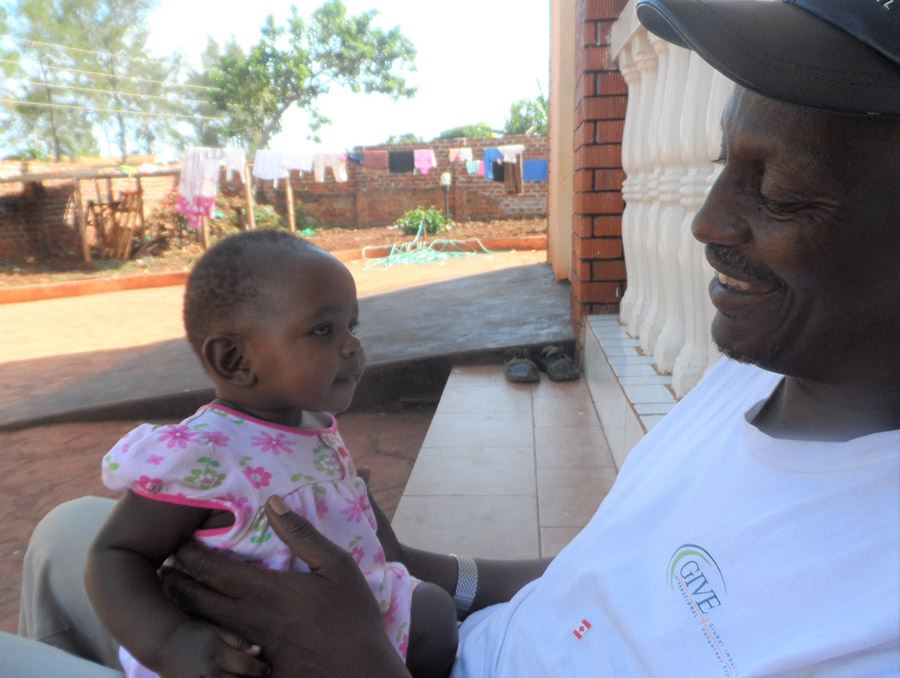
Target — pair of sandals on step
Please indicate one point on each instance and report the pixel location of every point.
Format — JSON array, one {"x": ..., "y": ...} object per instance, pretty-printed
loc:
[{"x": 558, "y": 365}]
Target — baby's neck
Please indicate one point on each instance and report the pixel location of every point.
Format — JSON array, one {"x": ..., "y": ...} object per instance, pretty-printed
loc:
[{"x": 293, "y": 419}]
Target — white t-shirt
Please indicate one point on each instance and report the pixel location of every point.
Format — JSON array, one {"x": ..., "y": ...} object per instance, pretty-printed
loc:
[{"x": 719, "y": 551}]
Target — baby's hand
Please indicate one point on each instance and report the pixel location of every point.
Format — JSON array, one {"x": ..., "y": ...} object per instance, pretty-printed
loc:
[{"x": 199, "y": 649}]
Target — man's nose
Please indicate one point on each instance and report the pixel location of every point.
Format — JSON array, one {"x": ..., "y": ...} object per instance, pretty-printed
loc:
[{"x": 722, "y": 218}]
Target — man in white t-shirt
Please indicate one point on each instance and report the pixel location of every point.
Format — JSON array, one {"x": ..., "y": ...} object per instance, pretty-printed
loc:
[{"x": 756, "y": 529}]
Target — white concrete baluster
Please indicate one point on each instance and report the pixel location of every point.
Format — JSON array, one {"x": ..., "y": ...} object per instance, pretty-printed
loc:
[
  {"x": 720, "y": 91},
  {"x": 691, "y": 361},
  {"x": 651, "y": 322},
  {"x": 631, "y": 192},
  {"x": 645, "y": 58},
  {"x": 671, "y": 215}
]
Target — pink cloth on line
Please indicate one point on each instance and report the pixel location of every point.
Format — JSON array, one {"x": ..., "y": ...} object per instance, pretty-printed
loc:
[
  {"x": 481, "y": 168},
  {"x": 424, "y": 160}
]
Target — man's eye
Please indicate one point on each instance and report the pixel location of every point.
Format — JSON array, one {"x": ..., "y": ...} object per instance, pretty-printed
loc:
[
  {"x": 782, "y": 208},
  {"x": 322, "y": 331}
]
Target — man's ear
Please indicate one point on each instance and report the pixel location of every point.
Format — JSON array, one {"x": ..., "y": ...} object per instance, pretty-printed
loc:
[{"x": 223, "y": 356}]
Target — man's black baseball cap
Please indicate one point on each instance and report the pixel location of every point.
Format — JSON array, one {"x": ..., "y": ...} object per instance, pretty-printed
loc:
[{"x": 839, "y": 55}]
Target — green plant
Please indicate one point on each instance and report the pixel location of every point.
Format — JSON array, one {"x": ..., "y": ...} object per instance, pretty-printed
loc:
[
  {"x": 303, "y": 219},
  {"x": 433, "y": 219},
  {"x": 266, "y": 217}
]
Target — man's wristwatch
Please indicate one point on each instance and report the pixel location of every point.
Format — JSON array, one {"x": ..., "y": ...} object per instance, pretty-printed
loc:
[{"x": 466, "y": 583}]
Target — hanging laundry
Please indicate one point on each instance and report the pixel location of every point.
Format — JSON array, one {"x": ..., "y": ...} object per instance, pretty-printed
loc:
[
  {"x": 460, "y": 154},
  {"x": 424, "y": 160},
  {"x": 336, "y": 161},
  {"x": 472, "y": 166},
  {"x": 355, "y": 157},
  {"x": 511, "y": 152},
  {"x": 535, "y": 170},
  {"x": 481, "y": 168},
  {"x": 490, "y": 154},
  {"x": 401, "y": 161},
  {"x": 302, "y": 162},
  {"x": 512, "y": 176},
  {"x": 198, "y": 184},
  {"x": 375, "y": 159},
  {"x": 268, "y": 165},
  {"x": 497, "y": 171},
  {"x": 235, "y": 160}
]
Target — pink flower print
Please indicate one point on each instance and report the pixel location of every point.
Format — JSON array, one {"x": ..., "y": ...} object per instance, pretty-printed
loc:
[
  {"x": 342, "y": 451},
  {"x": 216, "y": 438},
  {"x": 125, "y": 448},
  {"x": 258, "y": 476},
  {"x": 358, "y": 554},
  {"x": 275, "y": 444},
  {"x": 404, "y": 645},
  {"x": 177, "y": 434},
  {"x": 321, "y": 507},
  {"x": 378, "y": 557},
  {"x": 356, "y": 509},
  {"x": 150, "y": 485},
  {"x": 390, "y": 617},
  {"x": 155, "y": 459}
]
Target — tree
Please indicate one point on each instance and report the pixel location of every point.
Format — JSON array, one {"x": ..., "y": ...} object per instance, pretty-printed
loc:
[
  {"x": 83, "y": 64},
  {"x": 480, "y": 130},
  {"x": 407, "y": 138},
  {"x": 294, "y": 64},
  {"x": 527, "y": 116}
]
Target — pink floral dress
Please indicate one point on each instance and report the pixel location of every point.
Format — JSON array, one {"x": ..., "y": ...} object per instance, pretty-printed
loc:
[{"x": 225, "y": 460}]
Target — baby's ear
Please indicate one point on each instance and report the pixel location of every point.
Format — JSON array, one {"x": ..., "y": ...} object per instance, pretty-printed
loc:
[{"x": 223, "y": 357}]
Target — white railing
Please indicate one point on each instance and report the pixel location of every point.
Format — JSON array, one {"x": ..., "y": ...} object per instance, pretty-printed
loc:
[{"x": 672, "y": 135}]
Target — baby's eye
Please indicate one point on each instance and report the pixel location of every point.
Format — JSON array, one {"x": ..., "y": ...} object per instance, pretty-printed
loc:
[
  {"x": 322, "y": 330},
  {"x": 354, "y": 326}
]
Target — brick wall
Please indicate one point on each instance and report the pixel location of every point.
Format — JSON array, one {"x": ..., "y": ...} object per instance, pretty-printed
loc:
[
  {"x": 598, "y": 265},
  {"x": 377, "y": 197},
  {"x": 38, "y": 219}
]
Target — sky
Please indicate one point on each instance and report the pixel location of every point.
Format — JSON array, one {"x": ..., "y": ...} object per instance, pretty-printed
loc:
[{"x": 474, "y": 59}]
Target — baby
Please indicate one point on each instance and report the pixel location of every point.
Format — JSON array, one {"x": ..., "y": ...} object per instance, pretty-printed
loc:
[{"x": 272, "y": 319}]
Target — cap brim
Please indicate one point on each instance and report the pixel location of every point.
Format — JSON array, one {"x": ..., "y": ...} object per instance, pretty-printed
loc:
[{"x": 780, "y": 51}]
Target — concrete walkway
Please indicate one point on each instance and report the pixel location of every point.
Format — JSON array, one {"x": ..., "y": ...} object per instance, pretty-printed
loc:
[{"x": 122, "y": 353}]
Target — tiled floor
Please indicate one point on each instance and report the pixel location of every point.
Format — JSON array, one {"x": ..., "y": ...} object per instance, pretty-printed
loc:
[{"x": 506, "y": 470}]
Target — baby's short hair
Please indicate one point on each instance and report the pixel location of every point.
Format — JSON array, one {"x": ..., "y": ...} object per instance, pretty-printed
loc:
[{"x": 230, "y": 277}]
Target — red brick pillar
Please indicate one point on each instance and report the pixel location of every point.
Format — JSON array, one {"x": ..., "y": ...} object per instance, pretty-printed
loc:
[{"x": 598, "y": 266}]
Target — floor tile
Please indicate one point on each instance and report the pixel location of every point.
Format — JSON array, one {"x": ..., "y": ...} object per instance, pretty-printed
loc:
[
  {"x": 555, "y": 539},
  {"x": 648, "y": 394},
  {"x": 653, "y": 408},
  {"x": 559, "y": 412},
  {"x": 634, "y": 369},
  {"x": 473, "y": 471},
  {"x": 651, "y": 420},
  {"x": 485, "y": 527},
  {"x": 460, "y": 398},
  {"x": 640, "y": 380},
  {"x": 483, "y": 430},
  {"x": 568, "y": 497},
  {"x": 571, "y": 447}
]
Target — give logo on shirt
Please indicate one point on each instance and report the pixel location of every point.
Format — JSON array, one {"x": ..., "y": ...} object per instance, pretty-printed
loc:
[{"x": 694, "y": 573}]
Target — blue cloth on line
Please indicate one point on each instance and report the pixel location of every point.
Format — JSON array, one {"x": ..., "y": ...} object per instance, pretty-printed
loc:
[
  {"x": 490, "y": 154},
  {"x": 535, "y": 170}
]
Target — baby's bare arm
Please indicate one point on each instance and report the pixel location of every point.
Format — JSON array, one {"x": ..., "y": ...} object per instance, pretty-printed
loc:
[{"x": 124, "y": 588}]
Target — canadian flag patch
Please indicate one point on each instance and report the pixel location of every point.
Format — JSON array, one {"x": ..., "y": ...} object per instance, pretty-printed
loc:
[{"x": 581, "y": 629}]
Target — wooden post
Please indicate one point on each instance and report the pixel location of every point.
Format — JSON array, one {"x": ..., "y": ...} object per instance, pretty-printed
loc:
[
  {"x": 80, "y": 222},
  {"x": 289, "y": 194},
  {"x": 248, "y": 193},
  {"x": 204, "y": 233}
]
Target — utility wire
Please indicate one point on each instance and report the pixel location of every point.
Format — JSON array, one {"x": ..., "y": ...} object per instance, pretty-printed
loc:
[
  {"x": 44, "y": 83},
  {"x": 84, "y": 51},
  {"x": 117, "y": 77},
  {"x": 20, "y": 102}
]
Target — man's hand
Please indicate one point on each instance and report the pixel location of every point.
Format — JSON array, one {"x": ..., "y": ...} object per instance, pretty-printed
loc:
[
  {"x": 322, "y": 623},
  {"x": 198, "y": 649}
]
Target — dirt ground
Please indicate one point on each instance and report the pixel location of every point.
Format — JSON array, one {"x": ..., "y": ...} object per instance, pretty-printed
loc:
[{"x": 181, "y": 256}]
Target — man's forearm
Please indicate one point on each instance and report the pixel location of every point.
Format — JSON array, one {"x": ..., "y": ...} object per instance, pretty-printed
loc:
[{"x": 498, "y": 580}]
